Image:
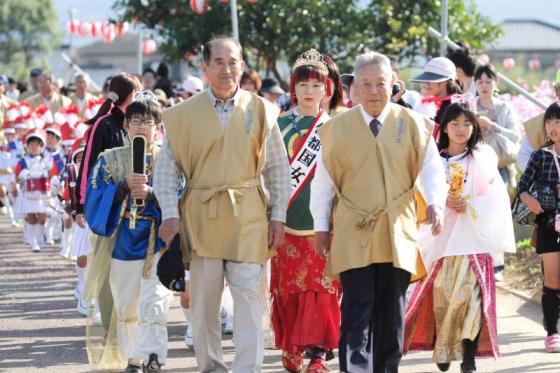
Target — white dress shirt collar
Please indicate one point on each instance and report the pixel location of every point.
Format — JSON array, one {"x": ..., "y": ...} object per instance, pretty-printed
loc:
[{"x": 381, "y": 117}]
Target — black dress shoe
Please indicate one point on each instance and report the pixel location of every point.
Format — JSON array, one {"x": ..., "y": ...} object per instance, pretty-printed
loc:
[
  {"x": 467, "y": 369},
  {"x": 131, "y": 368},
  {"x": 153, "y": 365},
  {"x": 443, "y": 367}
]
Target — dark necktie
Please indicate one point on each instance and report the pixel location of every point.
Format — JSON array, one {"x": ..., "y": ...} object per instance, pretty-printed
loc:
[{"x": 374, "y": 126}]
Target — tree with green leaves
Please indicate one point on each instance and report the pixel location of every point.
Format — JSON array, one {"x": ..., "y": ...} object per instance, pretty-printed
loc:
[
  {"x": 273, "y": 31},
  {"x": 27, "y": 28}
]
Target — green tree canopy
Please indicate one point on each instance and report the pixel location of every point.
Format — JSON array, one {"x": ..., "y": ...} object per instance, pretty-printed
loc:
[
  {"x": 271, "y": 31},
  {"x": 27, "y": 28}
]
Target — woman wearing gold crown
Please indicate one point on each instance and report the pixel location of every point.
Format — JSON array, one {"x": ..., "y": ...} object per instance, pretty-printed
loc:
[{"x": 305, "y": 312}]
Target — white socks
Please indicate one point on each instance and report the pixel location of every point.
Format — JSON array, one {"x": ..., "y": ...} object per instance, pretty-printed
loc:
[
  {"x": 49, "y": 228},
  {"x": 188, "y": 314},
  {"x": 66, "y": 237},
  {"x": 8, "y": 205},
  {"x": 81, "y": 272},
  {"x": 26, "y": 232},
  {"x": 35, "y": 233}
]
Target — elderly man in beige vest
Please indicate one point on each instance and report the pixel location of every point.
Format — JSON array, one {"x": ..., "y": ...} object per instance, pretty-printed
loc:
[
  {"x": 224, "y": 140},
  {"x": 47, "y": 95},
  {"x": 374, "y": 159},
  {"x": 82, "y": 97}
]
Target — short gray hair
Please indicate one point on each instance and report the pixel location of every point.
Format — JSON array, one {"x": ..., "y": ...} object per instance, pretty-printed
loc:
[
  {"x": 372, "y": 58},
  {"x": 82, "y": 75}
]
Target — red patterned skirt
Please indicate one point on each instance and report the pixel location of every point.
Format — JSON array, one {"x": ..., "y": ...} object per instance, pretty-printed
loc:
[
  {"x": 305, "y": 302},
  {"x": 420, "y": 321}
]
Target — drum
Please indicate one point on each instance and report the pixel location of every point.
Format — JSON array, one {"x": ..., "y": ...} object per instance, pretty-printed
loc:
[{"x": 37, "y": 185}]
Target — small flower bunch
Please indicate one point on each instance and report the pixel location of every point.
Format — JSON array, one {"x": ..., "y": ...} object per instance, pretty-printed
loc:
[{"x": 455, "y": 179}]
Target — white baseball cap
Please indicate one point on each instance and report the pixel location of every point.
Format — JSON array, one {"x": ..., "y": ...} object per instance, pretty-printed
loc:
[
  {"x": 438, "y": 69},
  {"x": 193, "y": 84}
]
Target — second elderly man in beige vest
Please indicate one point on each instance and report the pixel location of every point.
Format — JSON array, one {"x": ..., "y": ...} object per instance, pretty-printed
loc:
[
  {"x": 372, "y": 158},
  {"x": 224, "y": 140}
]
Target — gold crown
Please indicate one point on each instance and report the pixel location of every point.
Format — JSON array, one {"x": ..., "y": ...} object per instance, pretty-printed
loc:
[{"x": 312, "y": 58}]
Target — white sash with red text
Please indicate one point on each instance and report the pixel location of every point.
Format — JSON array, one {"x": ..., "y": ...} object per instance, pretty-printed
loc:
[{"x": 303, "y": 163}]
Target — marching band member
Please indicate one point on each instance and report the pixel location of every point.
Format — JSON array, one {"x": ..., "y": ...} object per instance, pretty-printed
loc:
[
  {"x": 34, "y": 171},
  {"x": 53, "y": 150},
  {"x": 79, "y": 239}
]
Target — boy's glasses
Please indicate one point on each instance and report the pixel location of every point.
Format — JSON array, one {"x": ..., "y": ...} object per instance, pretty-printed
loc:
[{"x": 142, "y": 123}]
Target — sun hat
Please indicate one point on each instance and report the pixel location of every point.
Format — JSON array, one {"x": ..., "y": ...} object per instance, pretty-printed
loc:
[{"x": 438, "y": 69}]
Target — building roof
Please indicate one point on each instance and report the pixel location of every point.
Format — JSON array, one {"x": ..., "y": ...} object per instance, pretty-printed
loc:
[
  {"x": 126, "y": 44},
  {"x": 527, "y": 35}
]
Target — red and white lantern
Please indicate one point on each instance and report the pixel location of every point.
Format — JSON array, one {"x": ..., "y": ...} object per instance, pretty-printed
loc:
[
  {"x": 121, "y": 28},
  {"x": 85, "y": 29},
  {"x": 508, "y": 63},
  {"x": 72, "y": 26},
  {"x": 534, "y": 64},
  {"x": 149, "y": 46},
  {"x": 198, "y": 6},
  {"x": 108, "y": 33},
  {"x": 96, "y": 29},
  {"x": 484, "y": 58}
]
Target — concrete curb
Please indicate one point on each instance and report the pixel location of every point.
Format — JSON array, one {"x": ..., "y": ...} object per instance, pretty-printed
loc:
[{"x": 519, "y": 294}]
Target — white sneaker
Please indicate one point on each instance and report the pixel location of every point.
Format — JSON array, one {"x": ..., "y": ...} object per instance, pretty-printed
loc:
[
  {"x": 499, "y": 276},
  {"x": 49, "y": 242},
  {"x": 3, "y": 210},
  {"x": 35, "y": 248},
  {"x": 96, "y": 318},
  {"x": 82, "y": 307},
  {"x": 64, "y": 253},
  {"x": 15, "y": 224},
  {"x": 189, "y": 336},
  {"x": 223, "y": 317},
  {"x": 228, "y": 327}
]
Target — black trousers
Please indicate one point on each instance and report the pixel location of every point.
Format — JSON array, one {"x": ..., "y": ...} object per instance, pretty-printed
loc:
[{"x": 372, "y": 318}]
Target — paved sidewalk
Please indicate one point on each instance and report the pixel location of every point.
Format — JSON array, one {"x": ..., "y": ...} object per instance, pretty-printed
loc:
[{"x": 40, "y": 330}]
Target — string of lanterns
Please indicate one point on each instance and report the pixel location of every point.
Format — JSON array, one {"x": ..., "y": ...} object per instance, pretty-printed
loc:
[
  {"x": 200, "y": 6},
  {"x": 107, "y": 31}
]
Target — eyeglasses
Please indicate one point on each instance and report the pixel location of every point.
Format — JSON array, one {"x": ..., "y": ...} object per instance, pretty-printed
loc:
[{"x": 142, "y": 123}]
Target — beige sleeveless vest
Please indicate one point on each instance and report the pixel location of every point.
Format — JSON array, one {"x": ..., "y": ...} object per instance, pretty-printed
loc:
[
  {"x": 375, "y": 213},
  {"x": 534, "y": 128},
  {"x": 223, "y": 210}
]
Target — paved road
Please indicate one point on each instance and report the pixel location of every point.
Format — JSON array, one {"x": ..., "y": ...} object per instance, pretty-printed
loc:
[{"x": 41, "y": 332}]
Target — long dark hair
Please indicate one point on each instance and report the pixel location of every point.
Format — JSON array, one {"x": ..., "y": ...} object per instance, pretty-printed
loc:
[
  {"x": 120, "y": 87},
  {"x": 452, "y": 112},
  {"x": 454, "y": 87},
  {"x": 334, "y": 75},
  {"x": 552, "y": 112}
]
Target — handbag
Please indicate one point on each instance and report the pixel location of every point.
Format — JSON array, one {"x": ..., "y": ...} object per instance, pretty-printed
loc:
[{"x": 520, "y": 212}]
